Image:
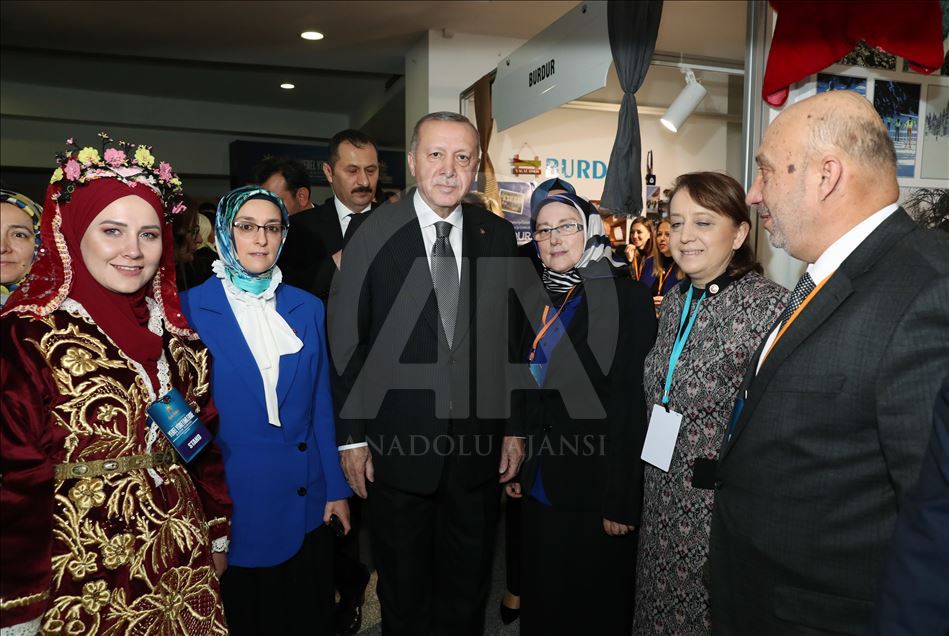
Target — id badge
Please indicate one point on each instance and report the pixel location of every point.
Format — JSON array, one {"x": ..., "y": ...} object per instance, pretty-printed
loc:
[
  {"x": 661, "y": 437},
  {"x": 183, "y": 428}
]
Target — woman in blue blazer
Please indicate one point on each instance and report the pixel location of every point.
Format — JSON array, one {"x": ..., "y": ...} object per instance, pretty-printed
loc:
[{"x": 270, "y": 380}]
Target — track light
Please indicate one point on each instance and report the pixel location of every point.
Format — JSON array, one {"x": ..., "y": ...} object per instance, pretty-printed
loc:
[{"x": 685, "y": 103}]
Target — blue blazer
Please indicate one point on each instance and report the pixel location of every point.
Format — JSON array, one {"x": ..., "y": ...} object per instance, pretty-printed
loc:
[{"x": 278, "y": 478}]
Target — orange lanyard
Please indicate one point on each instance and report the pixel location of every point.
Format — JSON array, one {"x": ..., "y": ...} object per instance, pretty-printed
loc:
[
  {"x": 793, "y": 317},
  {"x": 638, "y": 266},
  {"x": 662, "y": 279},
  {"x": 547, "y": 323}
]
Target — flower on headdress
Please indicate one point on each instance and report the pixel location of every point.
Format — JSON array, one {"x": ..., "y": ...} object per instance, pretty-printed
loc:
[
  {"x": 88, "y": 156},
  {"x": 144, "y": 157},
  {"x": 70, "y": 141},
  {"x": 72, "y": 170},
  {"x": 179, "y": 207},
  {"x": 164, "y": 171},
  {"x": 114, "y": 157},
  {"x": 57, "y": 175},
  {"x": 175, "y": 182}
]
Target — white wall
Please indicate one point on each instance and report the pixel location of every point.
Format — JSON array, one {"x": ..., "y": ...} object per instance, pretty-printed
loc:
[
  {"x": 701, "y": 144},
  {"x": 439, "y": 68}
]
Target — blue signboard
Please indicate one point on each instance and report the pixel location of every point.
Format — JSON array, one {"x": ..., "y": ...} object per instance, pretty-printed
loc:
[
  {"x": 516, "y": 205},
  {"x": 244, "y": 155}
]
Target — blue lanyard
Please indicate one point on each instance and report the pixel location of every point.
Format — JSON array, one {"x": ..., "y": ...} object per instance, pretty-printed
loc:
[{"x": 680, "y": 340}]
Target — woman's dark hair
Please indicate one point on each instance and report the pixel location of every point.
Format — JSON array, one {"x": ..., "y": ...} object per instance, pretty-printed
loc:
[{"x": 722, "y": 194}]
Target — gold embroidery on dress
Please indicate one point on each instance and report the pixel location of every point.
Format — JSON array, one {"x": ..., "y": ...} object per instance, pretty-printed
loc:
[{"x": 122, "y": 521}]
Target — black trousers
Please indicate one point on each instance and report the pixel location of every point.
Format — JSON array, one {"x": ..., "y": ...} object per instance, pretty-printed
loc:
[
  {"x": 512, "y": 545},
  {"x": 350, "y": 572},
  {"x": 433, "y": 555},
  {"x": 294, "y": 597},
  {"x": 575, "y": 578}
]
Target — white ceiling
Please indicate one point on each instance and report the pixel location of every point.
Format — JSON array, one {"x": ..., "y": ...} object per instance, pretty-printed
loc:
[{"x": 239, "y": 52}]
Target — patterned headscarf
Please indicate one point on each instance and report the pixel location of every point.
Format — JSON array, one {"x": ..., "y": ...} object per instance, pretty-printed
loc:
[
  {"x": 542, "y": 191},
  {"x": 227, "y": 209},
  {"x": 596, "y": 247},
  {"x": 34, "y": 212}
]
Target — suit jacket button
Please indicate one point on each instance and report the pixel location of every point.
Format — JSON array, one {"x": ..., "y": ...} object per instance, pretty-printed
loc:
[
  {"x": 301, "y": 492},
  {"x": 719, "y": 484},
  {"x": 301, "y": 446}
]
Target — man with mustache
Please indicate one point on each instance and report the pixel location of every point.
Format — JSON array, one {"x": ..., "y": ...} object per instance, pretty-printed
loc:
[
  {"x": 416, "y": 324},
  {"x": 352, "y": 170}
]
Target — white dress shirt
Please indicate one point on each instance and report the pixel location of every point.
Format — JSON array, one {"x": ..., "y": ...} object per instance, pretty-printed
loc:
[
  {"x": 266, "y": 332},
  {"x": 345, "y": 214},
  {"x": 833, "y": 256},
  {"x": 427, "y": 220}
]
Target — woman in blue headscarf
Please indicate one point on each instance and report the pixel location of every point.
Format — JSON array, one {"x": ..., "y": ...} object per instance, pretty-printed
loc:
[
  {"x": 270, "y": 379},
  {"x": 591, "y": 327},
  {"x": 19, "y": 240}
]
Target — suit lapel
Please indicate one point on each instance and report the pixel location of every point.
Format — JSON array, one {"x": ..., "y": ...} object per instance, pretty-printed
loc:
[
  {"x": 821, "y": 307},
  {"x": 289, "y": 309},
  {"x": 837, "y": 289},
  {"x": 228, "y": 342},
  {"x": 406, "y": 247}
]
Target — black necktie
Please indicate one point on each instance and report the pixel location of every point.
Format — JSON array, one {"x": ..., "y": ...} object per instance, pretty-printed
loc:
[
  {"x": 445, "y": 278},
  {"x": 801, "y": 291}
]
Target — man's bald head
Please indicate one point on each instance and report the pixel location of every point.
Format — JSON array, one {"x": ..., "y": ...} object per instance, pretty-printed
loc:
[
  {"x": 846, "y": 120},
  {"x": 825, "y": 164}
]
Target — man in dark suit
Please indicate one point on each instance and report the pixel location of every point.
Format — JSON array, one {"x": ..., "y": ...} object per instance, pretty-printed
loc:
[
  {"x": 289, "y": 180},
  {"x": 353, "y": 172},
  {"x": 915, "y": 594},
  {"x": 416, "y": 315},
  {"x": 833, "y": 416}
]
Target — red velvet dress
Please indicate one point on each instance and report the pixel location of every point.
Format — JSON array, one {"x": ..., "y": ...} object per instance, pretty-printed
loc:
[{"x": 122, "y": 553}]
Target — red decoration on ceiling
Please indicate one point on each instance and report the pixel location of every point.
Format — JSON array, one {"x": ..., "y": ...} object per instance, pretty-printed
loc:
[{"x": 810, "y": 36}]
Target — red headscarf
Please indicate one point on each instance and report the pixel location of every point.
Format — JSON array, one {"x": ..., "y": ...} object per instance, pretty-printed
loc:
[{"x": 59, "y": 272}]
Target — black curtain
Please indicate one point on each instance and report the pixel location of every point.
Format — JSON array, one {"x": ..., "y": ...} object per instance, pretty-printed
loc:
[{"x": 633, "y": 27}]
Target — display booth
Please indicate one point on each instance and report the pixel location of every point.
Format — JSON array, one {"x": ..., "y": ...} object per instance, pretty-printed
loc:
[{"x": 556, "y": 100}]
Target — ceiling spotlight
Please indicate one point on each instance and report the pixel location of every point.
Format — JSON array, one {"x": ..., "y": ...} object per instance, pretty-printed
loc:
[
  {"x": 685, "y": 103},
  {"x": 311, "y": 35},
  {"x": 287, "y": 85}
]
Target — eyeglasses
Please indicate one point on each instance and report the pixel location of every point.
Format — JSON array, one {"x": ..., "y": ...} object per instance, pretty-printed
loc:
[
  {"x": 248, "y": 229},
  {"x": 567, "y": 229}
]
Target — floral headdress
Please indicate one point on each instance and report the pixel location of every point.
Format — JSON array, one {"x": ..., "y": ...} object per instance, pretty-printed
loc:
[
  {"x": 51, "y": 279},
  {"x": 127, "y": 162}
]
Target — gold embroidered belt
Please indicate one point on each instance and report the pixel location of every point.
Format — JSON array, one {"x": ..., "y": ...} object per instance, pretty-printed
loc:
[{"x": 100, "y": 467}]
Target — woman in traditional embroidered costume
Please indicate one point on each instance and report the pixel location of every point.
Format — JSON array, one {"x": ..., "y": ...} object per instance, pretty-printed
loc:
[
  {"x": 270, "y": 376},
  {"x": 105, "y": 530}
]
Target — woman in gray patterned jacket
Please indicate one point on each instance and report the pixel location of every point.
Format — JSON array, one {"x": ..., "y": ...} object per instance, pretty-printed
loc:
[{"x": 710, "y": 326}]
